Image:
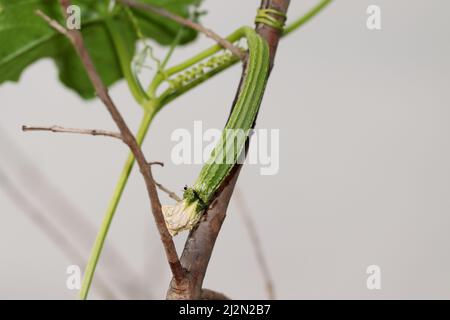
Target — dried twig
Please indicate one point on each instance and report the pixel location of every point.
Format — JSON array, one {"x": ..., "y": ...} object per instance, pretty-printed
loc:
[
  {"x": 128, "y": 138},
  {"x": 54, "y": 24},
  {"x": 58, "y": 129},
  {"x": 188, "y": 23},
  {"x": 256, "y": 243},
  {"x": 158, "y": 163},
  {"x": 171, "y": 194}
]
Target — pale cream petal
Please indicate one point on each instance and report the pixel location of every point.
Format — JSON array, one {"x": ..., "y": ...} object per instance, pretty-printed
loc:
[{"x": 181, "y": 217}]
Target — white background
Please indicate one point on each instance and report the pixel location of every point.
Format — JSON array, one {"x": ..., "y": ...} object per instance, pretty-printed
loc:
[{"x": 364, "y": 175}]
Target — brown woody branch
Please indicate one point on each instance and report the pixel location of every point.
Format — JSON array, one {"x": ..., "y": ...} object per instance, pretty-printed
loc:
[
  {"x": 200, "y": 243},
  {"x": 77, "y": 41},
  {"x": 58, "y": 129},
  {"x": 188, "y": 23}
]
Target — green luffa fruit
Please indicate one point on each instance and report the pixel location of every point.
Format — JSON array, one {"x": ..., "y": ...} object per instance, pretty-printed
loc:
[{"x": 186, "y": 213}]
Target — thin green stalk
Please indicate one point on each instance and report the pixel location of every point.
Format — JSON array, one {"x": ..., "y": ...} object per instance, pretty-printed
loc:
[
  {"x": 160, "y": 75},
  {"x": 117, "y": 195},
  {"x": 125, "y": 58},
  {"x": 172, "y": 48}
]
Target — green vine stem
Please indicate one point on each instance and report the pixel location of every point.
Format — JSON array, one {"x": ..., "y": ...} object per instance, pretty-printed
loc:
[
  {"x": 112, "y": 207},
  {"x": 124, "y": 56},
  {"x": 151, "y": 106}
]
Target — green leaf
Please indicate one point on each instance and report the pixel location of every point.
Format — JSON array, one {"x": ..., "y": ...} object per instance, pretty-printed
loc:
[{"x": 26, "y": 38}]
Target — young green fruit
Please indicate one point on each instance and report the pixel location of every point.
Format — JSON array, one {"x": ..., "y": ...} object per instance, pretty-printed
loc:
[{"x": 186, "y": 214}]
